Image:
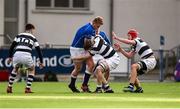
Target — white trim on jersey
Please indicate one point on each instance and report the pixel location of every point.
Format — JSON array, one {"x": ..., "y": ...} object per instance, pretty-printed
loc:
[{"x": 23, "y": 47}]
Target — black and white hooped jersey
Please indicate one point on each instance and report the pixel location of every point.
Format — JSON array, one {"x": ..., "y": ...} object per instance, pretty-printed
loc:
[
  {"x": 25, "y": 42},
  {"x": 102, "y": 48},
  {"x": 142, "y": 48}
]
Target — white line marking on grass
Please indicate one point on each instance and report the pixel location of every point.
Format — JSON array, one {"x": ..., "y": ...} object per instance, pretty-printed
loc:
[
  {"x": 100, "y": 98},
  {"x": 90, "y": 108}
]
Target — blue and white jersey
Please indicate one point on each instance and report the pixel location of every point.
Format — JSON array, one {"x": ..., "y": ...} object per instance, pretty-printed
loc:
[
  {"x": 142, "y": 48},
  {"x": 87, "y": 31},
  {"x": 25, "y": 42}
]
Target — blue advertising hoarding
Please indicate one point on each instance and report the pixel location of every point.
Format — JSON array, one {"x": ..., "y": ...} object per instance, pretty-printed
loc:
[{"x": 55, "y": 60}]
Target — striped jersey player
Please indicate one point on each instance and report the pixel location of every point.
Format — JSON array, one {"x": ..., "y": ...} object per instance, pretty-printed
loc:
[
  {"x": 147, "y": 59},
  {"x": 20, "y": 53},
  {"x": 97, "y": 45}
]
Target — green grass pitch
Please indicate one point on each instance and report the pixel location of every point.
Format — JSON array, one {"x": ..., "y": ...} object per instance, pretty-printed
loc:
[{"x": 57, "y": 95}]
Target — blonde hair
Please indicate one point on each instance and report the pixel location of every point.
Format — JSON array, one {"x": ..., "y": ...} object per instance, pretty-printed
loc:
[{"x": 98, "y": 20}]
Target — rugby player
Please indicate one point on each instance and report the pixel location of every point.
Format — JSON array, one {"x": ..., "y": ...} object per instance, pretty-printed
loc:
[{"x": 146, "y": 63}]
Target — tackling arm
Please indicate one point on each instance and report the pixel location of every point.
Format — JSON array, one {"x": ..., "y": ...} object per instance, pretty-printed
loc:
[
  {"x": 126, "y": 41},
  {"x": 127, "y": 54}
]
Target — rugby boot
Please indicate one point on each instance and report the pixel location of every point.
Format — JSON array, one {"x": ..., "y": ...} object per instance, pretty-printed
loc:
[
  {"x": 139, "y": 90},
  {"x": 128, "y": 89},
  {"x": 98, "y": 90},
  {"x": 85, "y": 88},
  {"x": 28, "y": 90},
  {"x": 9, "y": 89},
  {"x": 73, "y": 89},
  {"x": 108, "y": 90}
]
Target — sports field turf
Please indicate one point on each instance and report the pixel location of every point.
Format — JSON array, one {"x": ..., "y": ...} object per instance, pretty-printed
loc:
[{"x": 57, "y": 95}]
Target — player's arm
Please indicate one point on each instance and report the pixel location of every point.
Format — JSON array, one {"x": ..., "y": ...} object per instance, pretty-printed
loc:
[
  {"x": 13, "y": 45},
  {"x": 126, "y": 41},
  {"x": 11, "y": 49},
  {"x": 126, "y": 54},
  {"x": 38, "y": 49}
]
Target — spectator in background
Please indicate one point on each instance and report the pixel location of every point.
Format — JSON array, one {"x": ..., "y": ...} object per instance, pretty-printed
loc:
[{"x": 22, "y": 46}]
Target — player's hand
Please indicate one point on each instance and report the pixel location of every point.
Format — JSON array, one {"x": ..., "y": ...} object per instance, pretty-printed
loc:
[
  {"x": 114, "y": 36},
  {"x": 117, "y": 47},
  {"x": 9, "y": 60},
  {"x": 41, "y": 65}
]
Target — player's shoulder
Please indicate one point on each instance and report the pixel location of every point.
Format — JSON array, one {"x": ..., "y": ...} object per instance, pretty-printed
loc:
[
  {"x": 98, "y": 38},
  {"x": 102, "y": 33},
  {"x": 27, "y": 34},
  {"x": 88, "y": 27}
]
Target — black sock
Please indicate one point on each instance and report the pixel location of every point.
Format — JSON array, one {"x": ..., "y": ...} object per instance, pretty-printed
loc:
[
  {"x": 86, "y": 79},
  {"x": 73, "y": 80}
]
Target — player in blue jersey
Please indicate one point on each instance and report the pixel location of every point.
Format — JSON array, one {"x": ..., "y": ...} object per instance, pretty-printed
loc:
[
  {"x": 20, "y": 53},
  {"x": 77, "y": 52}
]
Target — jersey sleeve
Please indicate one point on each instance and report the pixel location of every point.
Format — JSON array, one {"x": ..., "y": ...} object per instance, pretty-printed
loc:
[
  {"x": 38, "y": 49},
  {"x": 36, "y": 44},
  {"x": 13, "y": 45}
]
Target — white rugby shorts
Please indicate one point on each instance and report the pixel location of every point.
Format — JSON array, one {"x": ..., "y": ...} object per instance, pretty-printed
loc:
[
  {"x": 77, "y": 52},
  {"x": 112, "y": 62},
  {"x": 150, "y": 63},
  {"x": 24, "y": 58}
]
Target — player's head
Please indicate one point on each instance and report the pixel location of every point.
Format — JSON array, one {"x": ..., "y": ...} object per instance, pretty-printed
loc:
[
  {"x": 29, "y": 27},
  {"x": 132, "y": 34},
  {"x": 88, "y": 43},
  {"x": 97, "y": 22}
]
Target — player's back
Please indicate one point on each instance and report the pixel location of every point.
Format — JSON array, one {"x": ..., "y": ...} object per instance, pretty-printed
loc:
[
  {"x": 101, "y": 48},
  {"x": 25, "y": 42},
  {"x": 85, "y": 31}
]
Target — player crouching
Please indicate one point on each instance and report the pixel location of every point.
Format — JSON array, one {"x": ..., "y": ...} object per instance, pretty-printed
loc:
[{"x": 96, "y": 45}]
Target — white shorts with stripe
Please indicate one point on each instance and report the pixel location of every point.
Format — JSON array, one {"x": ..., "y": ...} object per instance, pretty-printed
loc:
[{"x": 22, "y": 58}]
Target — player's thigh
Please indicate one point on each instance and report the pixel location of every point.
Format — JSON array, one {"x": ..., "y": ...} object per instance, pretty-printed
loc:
[{"x": 90, "y": 63}]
